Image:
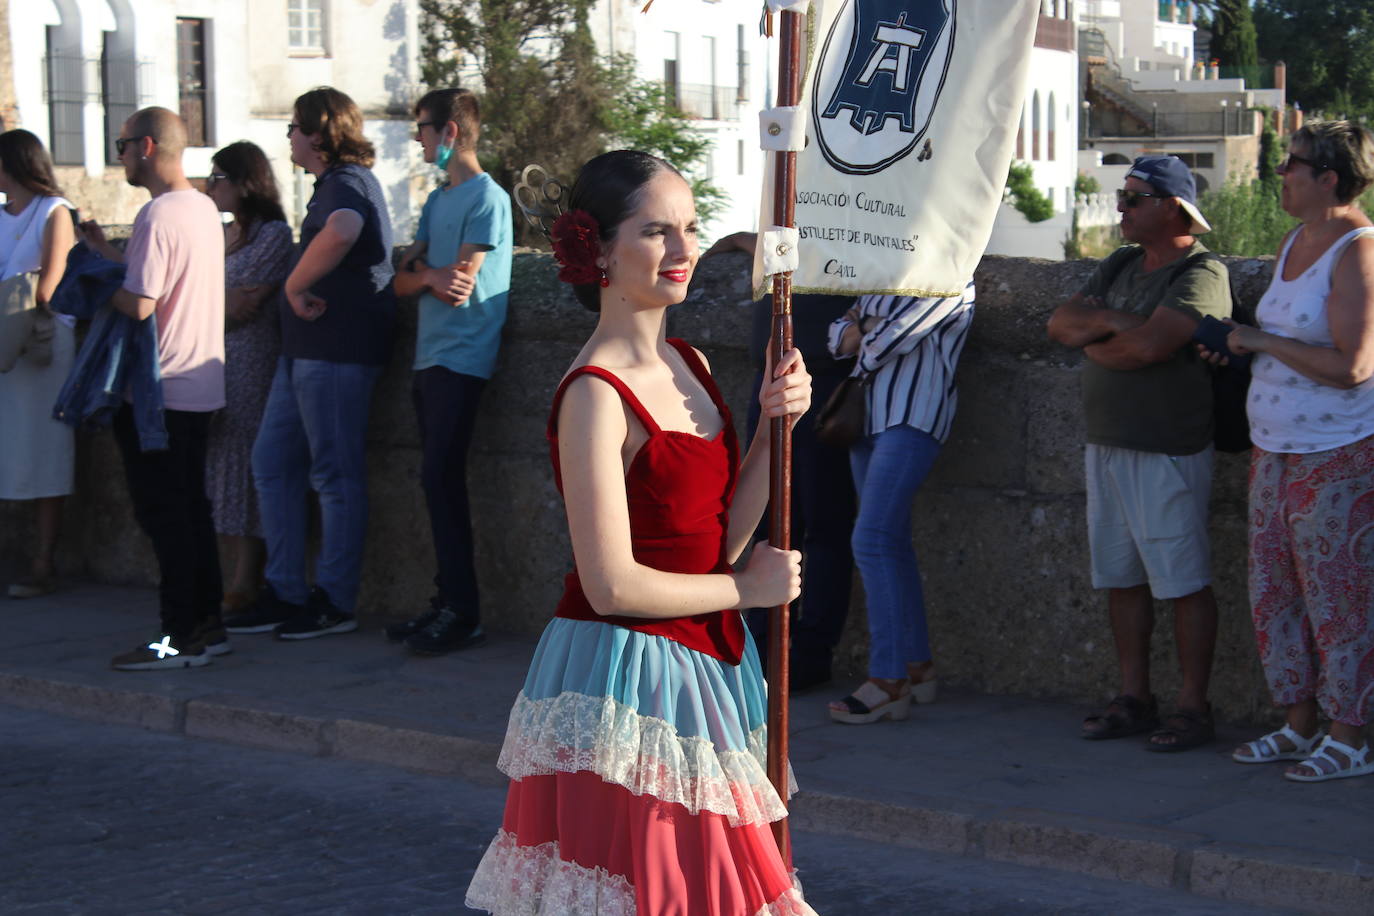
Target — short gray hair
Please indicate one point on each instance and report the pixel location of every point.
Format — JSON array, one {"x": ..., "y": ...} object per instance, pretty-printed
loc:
[{"x": 1345, "y": 148}]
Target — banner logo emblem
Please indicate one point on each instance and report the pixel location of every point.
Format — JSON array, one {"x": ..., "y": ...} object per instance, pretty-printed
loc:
[{"x": 879, "y": 75}]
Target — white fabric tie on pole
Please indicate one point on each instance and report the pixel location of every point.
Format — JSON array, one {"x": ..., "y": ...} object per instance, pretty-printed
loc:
[
  {"x": 783, "y": 130},
  {"x": 795, "y": 6},
  {"x": 779, "y": 250}
]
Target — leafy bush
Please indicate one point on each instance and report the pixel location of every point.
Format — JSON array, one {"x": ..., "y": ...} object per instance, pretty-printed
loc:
[
  {"x": 1084, "y": 185},
  {"x": 1246, "y": 219},
  {"x": 1025, "y": 196}
]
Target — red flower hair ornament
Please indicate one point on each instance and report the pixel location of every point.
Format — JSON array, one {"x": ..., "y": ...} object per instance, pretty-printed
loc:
[{"x": 576, "y": 246}]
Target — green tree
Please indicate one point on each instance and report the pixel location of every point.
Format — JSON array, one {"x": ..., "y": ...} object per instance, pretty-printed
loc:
[
  {"x": 1328, "y": 46},
  {"x": 639, "y": 117},
  {"x": 1234, "y": 41},
  {"x": 1270, "y": 155},
  {"x": 547, "y": 96}
]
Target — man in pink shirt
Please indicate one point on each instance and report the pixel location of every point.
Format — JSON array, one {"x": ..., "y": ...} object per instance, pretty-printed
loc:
[{"x": 176, "y": 278}]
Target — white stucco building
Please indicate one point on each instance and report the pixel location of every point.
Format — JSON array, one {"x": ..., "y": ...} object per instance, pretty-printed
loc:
[
  {"x": 718, "y": 69},
  {"x": 1147, "y": 95},
  {"x": 1047, "y": 137},
  {"x": 231, "y": 68}
]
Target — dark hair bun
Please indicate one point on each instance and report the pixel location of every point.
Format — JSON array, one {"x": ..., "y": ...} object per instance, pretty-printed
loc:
[{"x": 608, "y": 187}]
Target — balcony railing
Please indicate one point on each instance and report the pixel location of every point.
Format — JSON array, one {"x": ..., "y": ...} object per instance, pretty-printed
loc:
[
  {"x": 713, "y": 103},
  {"x": 1054, "y": 34},
  {"x": 1175, "y": 11},
  {"x": 1112, "y": 123}
]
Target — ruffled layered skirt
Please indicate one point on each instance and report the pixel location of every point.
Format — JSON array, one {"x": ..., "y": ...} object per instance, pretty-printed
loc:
[{"x": 637, "y": 785}]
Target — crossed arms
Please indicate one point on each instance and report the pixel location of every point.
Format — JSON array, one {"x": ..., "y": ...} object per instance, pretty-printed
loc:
[
  {"x": 451, "y": 284},
  {"x": 1120, "y": 340}
]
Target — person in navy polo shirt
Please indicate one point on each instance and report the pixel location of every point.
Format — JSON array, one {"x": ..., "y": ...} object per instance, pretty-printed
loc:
[{"x": 337, "y": 322}]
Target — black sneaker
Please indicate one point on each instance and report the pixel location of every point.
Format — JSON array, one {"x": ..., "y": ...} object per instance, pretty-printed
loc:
[
  {"x": 445, "y": 634},
  {"x": 319, "y": 618},
  {"x": 399, "y": 632},
  {"x": 211, "y": 632},
  {"x": 162, "y": 653},
  {"x": 264, "y": 615}
]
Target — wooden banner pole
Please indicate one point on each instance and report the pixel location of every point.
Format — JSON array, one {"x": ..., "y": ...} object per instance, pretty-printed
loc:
[{"x": 780, "y": 469}]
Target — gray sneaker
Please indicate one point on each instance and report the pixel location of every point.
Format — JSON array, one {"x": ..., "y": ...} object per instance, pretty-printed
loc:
[
  {"x": 32, "y": 587},
  {"x": 264, "y": 615},
  {"x": 211, "y": 632},
  {"x": 163, "y": 652}
]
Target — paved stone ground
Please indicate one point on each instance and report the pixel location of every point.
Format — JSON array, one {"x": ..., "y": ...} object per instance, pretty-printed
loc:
[{"x": 102, "y": 820}]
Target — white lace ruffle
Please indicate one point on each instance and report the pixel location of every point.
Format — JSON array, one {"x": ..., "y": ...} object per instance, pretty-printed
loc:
[
  {"x": 515, "y": 880},
  {"x": 575, "y": 732},
  {"x": 789, "y": 904}
]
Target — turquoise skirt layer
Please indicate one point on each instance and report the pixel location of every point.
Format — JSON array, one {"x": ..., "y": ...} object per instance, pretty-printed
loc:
[{"x": 698, "y": 695}]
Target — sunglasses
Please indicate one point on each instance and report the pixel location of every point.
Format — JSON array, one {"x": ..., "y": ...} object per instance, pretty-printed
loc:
[
  {"x": 1129, "y": 199},
  {"x": 1291, "y": 158},
  {"x": 421, "y": 125},
  {"x": 215, "y": 178},
  {"x": 122, "y": 142},
  {"x": 291, "y": 129}
]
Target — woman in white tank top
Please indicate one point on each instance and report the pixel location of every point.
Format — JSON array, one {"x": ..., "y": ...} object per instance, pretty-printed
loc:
[
  {"x": 36, "y": 451},
  {"x": 1311, "y": 408}
]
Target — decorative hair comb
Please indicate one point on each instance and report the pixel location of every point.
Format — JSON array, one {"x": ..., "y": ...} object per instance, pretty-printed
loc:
[{"x": 540, "y": 197}]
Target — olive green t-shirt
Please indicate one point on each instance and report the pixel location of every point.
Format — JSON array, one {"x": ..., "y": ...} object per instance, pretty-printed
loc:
[{"x": 1165, "y": 407}]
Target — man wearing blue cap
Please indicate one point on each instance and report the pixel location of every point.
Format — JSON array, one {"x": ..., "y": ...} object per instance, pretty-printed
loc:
[{"x": 1147, "y": 400}]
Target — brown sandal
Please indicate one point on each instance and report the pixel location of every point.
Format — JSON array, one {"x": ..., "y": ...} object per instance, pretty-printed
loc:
[
  {"x": 1123, "y": 717},
  {"x": 1188, "y": 729}
]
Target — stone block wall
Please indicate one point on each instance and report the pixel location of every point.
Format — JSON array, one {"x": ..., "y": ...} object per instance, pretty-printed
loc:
[{"x": 999, "y": 527}]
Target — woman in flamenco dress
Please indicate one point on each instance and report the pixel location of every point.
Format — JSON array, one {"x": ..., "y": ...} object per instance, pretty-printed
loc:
[{"x": 636, "y": 747}]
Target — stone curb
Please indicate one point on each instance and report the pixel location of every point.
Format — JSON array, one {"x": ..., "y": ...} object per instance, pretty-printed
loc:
[{"x": 1261, "y": 875}]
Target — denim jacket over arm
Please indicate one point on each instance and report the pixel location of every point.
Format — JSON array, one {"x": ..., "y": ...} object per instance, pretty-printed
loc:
[{"x": 119, "y": 353}]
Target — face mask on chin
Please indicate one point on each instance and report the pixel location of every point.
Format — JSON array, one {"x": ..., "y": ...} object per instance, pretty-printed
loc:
[{"x": 443, "y": 154}]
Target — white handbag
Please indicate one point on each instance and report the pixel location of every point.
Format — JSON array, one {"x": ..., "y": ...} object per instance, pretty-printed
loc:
[{"x": 26, "y": 328}]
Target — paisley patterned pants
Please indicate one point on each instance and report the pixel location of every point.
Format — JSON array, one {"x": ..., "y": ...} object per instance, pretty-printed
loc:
[{"x": 1312, "y": 576}]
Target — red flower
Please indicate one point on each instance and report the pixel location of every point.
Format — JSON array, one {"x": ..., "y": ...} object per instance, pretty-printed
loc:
[{"x": 576, "y": 245}]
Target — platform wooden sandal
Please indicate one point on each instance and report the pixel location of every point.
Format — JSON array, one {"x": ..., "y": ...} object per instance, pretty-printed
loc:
[{"x": 871, "y": 703}]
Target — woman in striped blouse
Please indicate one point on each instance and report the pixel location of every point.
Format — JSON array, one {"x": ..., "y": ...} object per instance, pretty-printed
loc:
[{"x": 908, "y": 347}]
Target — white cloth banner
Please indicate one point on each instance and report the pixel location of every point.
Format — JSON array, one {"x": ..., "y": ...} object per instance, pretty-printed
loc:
[{"x": 913, "y": 108}]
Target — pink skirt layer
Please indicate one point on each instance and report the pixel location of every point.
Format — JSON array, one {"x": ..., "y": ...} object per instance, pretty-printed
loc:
[{"x": 658, "y": 856}]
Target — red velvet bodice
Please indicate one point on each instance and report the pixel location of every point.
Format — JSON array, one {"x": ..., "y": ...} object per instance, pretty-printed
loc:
[{"x": 679, "y": 487}]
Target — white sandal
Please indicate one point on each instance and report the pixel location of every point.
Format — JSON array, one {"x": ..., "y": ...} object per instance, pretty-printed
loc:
[
  {"x": 1358, "y": 762},
  {"x": 922, "y": 691},
  {"x": 871, "y": 703},
  {"x": 1265, "y": 749}
]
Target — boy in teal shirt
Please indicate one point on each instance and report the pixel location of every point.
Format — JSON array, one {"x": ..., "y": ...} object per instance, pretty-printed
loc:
[{"x": 459, "y": 265}]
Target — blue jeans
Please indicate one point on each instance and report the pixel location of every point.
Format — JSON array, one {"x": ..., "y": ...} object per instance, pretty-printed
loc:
[
  {"x": 888, "y": 469},
  {"x": 314, "y": 433}
]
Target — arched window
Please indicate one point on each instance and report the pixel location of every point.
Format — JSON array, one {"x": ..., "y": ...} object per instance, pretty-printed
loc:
[
  {"x": 1115, "y": 159},
  {"x": 1053, "y": 116},
  {"x": 1035, "y": 125}
]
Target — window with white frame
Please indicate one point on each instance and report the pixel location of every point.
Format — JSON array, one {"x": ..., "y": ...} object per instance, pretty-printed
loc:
[
  {"x": 305, "y": 26},
  {"x": 193, "y": 80},
  {"x": 672, "y": 52}
]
